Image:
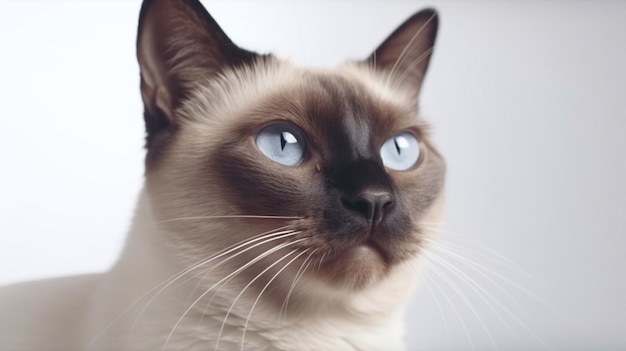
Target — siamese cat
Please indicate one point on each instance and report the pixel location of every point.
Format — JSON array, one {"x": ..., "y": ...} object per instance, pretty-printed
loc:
[{"x": 284, "y": 208}]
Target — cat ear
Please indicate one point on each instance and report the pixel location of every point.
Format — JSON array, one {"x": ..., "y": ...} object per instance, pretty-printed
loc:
[
  {"x": 405, "y": 54},
  {"x": 178, "y": 44}
]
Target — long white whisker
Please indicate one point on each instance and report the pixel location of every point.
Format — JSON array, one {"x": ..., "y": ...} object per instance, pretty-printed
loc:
[
  {"x": 219, "y": 335},
  {"x": 224, "y": 279},
  {"x": 506, "y": 280},
  {"x": 296, "y": 279},
  {"x": 479, "y": 290},
  {"x": 478, "y": 268},
  {"x": 269, "y": 235},
  {"x": 223, "y": 282},
  {"x": 319, "y": 266},
  {"x": 447, "y": 298},
  {"x": 464, "y": 298},
  {"x": 471, "y": 282},
  {"x": 438, "y": 303},
  {"x": 240, "y": 269},
  {"x": 228, "y": 217},
  {"x": 245, "y": 326},
  {"x": 290, "y": 233},
  {"x": 263, "y": 238},
  {"x": 172, "y": 278},
  {"x": 497, "y": 257}
]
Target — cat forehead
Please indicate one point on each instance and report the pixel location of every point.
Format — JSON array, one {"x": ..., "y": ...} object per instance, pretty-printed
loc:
[{"x": 353, "y": 95}]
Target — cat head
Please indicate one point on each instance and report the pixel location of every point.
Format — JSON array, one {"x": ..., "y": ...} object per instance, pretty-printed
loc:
[{"x": 328, "y": 174}]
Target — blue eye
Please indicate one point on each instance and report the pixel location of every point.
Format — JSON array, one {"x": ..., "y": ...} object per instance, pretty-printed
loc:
[
  {"x": 400, "y": 152},
  {"x": 282, "y": 143}
]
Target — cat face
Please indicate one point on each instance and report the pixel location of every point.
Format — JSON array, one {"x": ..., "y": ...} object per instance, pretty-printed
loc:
[{"x": 330, "y": 169}]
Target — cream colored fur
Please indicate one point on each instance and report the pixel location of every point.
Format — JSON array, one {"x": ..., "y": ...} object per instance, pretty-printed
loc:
[
  {"x": 98, "y": 312},
  {"x": 158, "y": 297}
]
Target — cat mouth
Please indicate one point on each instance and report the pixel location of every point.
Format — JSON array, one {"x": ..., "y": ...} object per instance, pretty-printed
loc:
[
  {"x": 368, "y": 244},
  {"x": 366, "y": 251},
  {"x": 356, "y": 266}
]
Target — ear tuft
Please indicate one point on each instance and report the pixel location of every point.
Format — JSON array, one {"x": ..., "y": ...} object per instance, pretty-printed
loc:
[{"x": 406, "y": 53}]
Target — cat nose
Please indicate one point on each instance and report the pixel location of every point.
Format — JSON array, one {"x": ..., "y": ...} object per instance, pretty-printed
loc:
[{"x": 370, "y": 204}]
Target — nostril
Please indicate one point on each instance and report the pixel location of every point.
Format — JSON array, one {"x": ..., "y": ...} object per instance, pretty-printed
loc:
[
  {"x": 371, "y": 205},
  {"x": 359, "y": 205}
]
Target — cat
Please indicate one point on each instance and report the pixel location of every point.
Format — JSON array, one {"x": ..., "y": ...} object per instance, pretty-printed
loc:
[{"x": 284, "y": 208}]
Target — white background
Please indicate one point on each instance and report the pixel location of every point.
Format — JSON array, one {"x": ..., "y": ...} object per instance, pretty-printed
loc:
[{"x": 527, "y": 102}]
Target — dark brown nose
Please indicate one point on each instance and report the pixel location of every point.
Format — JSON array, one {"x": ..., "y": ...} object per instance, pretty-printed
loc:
[{"x": 370, "y": 204}]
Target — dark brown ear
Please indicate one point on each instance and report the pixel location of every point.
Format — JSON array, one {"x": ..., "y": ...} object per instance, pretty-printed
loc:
[
  {"x": 178, "y": 44},
  {"x": 405, "y": 54}
]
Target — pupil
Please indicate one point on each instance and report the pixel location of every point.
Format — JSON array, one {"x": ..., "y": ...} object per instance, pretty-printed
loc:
[
  {"x": 401, "y": 142},
  {"x": 287, "y": 138}
]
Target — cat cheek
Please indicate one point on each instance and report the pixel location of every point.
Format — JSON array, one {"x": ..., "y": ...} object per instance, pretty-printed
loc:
[{"x": 255, "y": 188}]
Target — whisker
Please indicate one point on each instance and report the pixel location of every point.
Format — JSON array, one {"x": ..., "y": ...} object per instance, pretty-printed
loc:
[
  {"x": 263, "y": 238},
  {"x": 175, "y": 277},
  {"x": 319, "y": 266},
  {"x": 239, "y": 270},
  {"x": 470, "y": 282},
  {"x": 219, "y": 335},
  {"x": 505, "y": 279},
  {"x": 229, "y": 217},
  {"x": 479, "y": 290},
  {"x": 497, "y": 257},
  {"x": 245, "y": 326},
  {"x": 438, "y": 303},
  {"x": 223, "y": 282},
  {"x": 478, "y": 268},
  {"x": 449, "y": 300},
  {"x": 297, "y": 277},
  {"x": 464, "y": 298}
]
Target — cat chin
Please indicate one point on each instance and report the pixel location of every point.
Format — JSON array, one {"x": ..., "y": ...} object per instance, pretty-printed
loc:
[{"x": 355, "y": 269}]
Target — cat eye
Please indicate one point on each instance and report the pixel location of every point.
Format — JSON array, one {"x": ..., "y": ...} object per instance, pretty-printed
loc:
[
  {"x": 282, "y": 143},
  {"x": 400, "y": 152}
]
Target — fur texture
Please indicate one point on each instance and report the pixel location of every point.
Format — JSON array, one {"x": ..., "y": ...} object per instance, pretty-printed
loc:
[{"x": 232, "y": 250}]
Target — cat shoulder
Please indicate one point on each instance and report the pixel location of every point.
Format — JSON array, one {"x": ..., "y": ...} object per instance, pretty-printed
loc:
[{"x": 46, "y": 314}]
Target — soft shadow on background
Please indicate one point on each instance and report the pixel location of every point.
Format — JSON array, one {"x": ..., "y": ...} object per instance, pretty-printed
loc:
[{"x": 526, "y": 100}]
